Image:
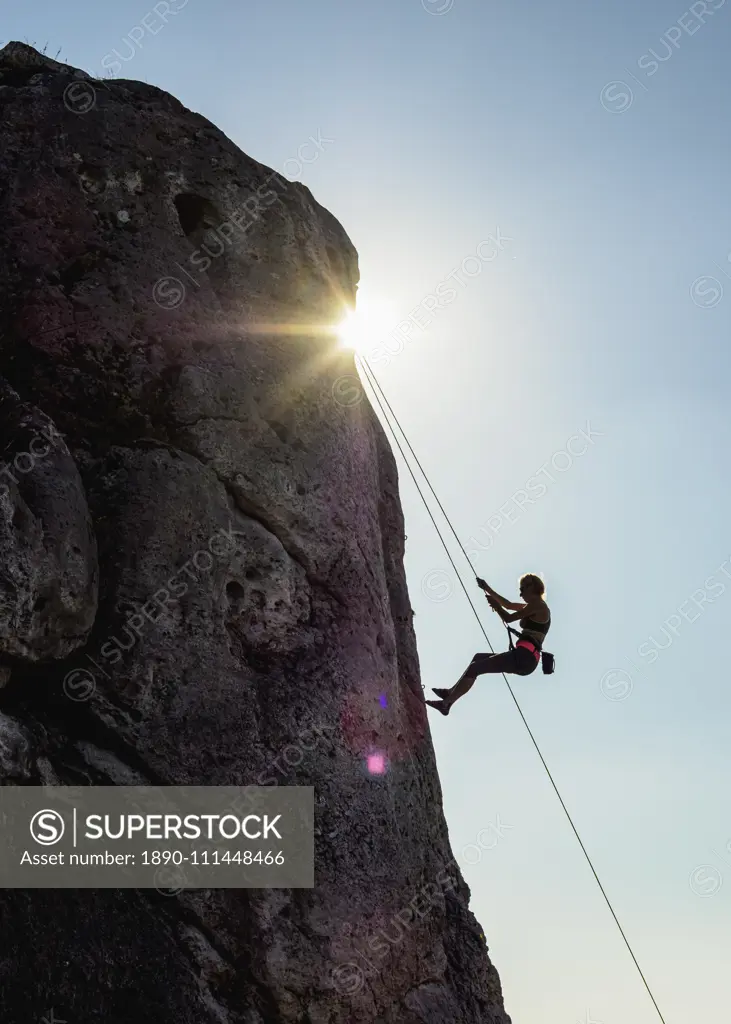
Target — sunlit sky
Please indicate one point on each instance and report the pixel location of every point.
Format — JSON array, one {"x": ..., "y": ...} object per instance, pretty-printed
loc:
[{"x": 612, "y": 206}]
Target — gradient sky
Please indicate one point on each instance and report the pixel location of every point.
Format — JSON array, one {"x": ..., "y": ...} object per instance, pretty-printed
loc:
[{"x": 444, "y": 127}]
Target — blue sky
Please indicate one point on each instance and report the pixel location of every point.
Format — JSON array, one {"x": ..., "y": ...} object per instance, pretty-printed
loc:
[{"x": 444, "y": 128}]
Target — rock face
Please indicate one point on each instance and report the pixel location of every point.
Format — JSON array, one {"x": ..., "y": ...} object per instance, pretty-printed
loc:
[{"x": 201, "y": 576}]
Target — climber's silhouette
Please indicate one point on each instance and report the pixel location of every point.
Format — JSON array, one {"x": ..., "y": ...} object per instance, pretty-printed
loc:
[{"x": 523, "y": 658}]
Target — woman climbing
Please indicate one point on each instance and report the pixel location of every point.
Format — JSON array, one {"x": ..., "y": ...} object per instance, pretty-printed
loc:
[{"x": 535, "y": 621}]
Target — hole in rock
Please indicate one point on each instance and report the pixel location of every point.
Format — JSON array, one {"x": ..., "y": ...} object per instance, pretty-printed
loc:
[
  {"x": 203, "y": 226},
  {"x": 195, "y": 213},
  {"x": 234, "y": 592}
]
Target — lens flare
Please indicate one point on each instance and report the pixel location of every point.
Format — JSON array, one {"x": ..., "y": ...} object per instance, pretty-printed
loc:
[
  {"x": 376, "y": 764},
  {"x": 363, "y": 328}
]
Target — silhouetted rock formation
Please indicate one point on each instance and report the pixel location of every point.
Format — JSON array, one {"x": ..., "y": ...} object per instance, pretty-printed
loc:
[{"x": 201, "y": 575}]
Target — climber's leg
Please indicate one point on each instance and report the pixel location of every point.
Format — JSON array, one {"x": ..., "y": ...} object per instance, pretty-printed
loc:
[
  {"x": 465, "y": 681},
  {"x": 459, "y": 689},
  {"x": 478, "y": 665},
  {"x": 517, "y": 661},
  {"x": 440, "y": 705}
]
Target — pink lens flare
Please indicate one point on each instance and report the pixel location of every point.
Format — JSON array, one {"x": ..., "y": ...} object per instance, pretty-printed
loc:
[{"x": 376, "y": 764}]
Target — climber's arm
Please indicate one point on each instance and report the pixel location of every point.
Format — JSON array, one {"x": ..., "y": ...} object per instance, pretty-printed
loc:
[
  {"x": 512, "y": 606},
  {"x": 492, "y": 595},
  {"x": 526, "y": 612},
  {"x": 503, "y": 612}
]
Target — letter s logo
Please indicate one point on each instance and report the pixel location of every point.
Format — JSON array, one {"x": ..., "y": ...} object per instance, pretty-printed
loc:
[{"x": 47, "y": 827}]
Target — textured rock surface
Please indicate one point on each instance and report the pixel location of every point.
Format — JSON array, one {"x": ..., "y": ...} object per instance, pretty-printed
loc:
[
  {"x": 161, "y": 297},
  {"x": 48, "y": 570}
]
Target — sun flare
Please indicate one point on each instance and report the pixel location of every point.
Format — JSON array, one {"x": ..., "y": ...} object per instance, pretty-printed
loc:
[{"x": 362, "y": 329}]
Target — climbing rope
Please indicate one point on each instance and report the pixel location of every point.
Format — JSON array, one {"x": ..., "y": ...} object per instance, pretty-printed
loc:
[{"x": 379, "y": 394}]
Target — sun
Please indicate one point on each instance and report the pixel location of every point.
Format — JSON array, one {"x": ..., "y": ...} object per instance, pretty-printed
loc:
[{"x": 362, "y": 329}]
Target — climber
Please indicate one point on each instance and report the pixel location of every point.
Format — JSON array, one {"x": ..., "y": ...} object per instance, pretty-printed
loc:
[{"x": 535, "y": 621}]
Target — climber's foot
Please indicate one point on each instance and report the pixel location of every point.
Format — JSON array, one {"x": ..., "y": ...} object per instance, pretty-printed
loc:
[
  {"x": 440, "y": 705},
  {"x": 442, "y": 694}
]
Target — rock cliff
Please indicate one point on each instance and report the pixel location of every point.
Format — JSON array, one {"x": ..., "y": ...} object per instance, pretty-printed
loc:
[{"x": 201, "y": 576}]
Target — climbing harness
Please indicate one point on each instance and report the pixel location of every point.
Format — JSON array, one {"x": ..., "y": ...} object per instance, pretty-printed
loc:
[
  {"x": 381, "y": 400},
  {"x": 548, "y": 662}
]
